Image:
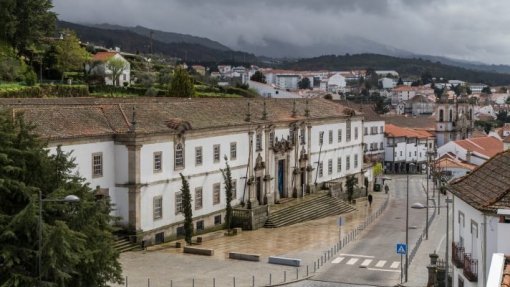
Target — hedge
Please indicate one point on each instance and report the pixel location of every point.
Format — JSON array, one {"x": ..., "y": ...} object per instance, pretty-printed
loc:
[
  {"x": 46, "y": 91},
  {"x": 139, "y": 91}
]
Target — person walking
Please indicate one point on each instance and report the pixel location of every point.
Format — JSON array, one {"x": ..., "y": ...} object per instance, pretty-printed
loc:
[{"x": 370, "y": 200}]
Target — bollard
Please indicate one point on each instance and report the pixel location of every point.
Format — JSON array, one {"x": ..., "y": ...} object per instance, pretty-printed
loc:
[
  {"x": 234, "y": 281},
  {"x": 148, "y": 282},
  {"x": 297, "y": 273},
  {"x": 306, "y": 270},
  {"x": 193, "y": 282},
  {"x": 214, "y": 282},
  {"x": 284, "y": 275},
  {"x": 252, "y": 280},
  {"x": 269, "y": 278},
  {"x": 314, "y": 270},
  {"x": 126, "y": 281},
  {"x": 171, "y": 283}
]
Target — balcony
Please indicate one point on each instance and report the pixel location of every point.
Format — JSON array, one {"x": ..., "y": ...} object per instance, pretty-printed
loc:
[
  {"x": 470, "y": 268},
  {"x": 457, "y": 255}
]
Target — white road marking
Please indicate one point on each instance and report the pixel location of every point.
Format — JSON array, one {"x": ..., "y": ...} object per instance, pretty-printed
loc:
[
  {"x": 337, "y": 260},
  {"x": 356, "y": 255},
  {"x": 366, "y": 262},
  {"x": 395, "y": 264},
  {"x": 380, "y": 264},
  {"x": 385, "y": 270},
  {"x": 352, "y": 261}
]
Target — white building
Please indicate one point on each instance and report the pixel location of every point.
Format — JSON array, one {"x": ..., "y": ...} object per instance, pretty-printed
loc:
[
  {"x": 100, "y": 66},
  {"x": 373, "y": 134},
  {"x": 473, "y": 150},
  {"x": 134, "y": 150},
  {"x": 387, "y": 83},
  {"x": 481, "y": 221},
  {"x": 287, "y": 81},
  {"x": 406, "y": 149},
  {"x": 270, "y": 91},
  {"x": 224, "y": 69},
  {"x": 476, "y": 88},
  {"x": 336, "y": 83}
]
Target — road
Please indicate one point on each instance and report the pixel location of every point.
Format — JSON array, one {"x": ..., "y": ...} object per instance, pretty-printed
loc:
[{"x": 372, "y": 260}]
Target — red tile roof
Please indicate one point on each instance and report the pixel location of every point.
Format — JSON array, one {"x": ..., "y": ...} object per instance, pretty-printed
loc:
[
  {"x": 396, "y": 131},
  {"x": 103, "y": 56},
  {"x": 449, "y": 160},
  {"x": 486, "y": 146}
]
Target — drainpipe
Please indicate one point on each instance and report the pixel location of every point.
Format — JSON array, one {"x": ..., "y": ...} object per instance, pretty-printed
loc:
[{"x": 484, "y": 253}]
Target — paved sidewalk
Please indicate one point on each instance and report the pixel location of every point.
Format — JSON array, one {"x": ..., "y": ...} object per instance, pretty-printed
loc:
[{"x": 306, "y": 241}]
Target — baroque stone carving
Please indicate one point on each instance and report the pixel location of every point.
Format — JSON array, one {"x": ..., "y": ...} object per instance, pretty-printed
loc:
[
  {"x": 259, "y": 163},
  {"x": 282, "y": 145}
]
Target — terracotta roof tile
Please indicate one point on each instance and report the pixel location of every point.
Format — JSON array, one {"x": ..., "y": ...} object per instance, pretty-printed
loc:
[
  {"x": 396, "y": 131},
  {"x": 486, "y": 146},
  {"x": 103, "y": 56},
  {"x": 487, "y": 188}
]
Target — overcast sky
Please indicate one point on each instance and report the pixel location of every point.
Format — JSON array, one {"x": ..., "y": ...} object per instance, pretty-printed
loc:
[{"x": 477, "y": 30}]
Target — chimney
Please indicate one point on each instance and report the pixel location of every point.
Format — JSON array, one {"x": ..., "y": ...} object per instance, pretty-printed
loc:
[{"x": 468, "y": 156}]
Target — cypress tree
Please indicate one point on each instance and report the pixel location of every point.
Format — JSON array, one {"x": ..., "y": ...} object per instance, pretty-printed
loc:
[
  {"x": 227, "y": 178},
  {"x": 187, "y": 210}
]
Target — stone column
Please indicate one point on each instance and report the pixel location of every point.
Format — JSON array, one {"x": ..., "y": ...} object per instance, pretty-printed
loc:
[
  {"x": 252, "y": 200},
  {"x": 134, "y": 203},
  {"x": 309, "y": 174},
  {"x": 268, "y": 192}
]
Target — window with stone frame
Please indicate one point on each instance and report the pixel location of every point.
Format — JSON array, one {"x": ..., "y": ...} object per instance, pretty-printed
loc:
[
  {"x": 158, "y": 161},
  {"x": 198, "y": 155},
  {"x": 179, "y": 156},
  {"x": 234, "y": 189},
  {"x": 355, "y": 161},
  {"x": 321, "y": 138},
  {"x": 178, "y": 202},
  {"x": 330, "y": 166},
  {"x": 302, "y": 137},
  {"x": 320, "y": 169},
  {"x": 258, "y": 142},
  {"x": 348, "y": 130},
  {"x": 271, "y": 139},
  {"x": 216, "y": 153},
  {"x": 217, "y": 219},
  {"x": 157, "y": 207},
  {"x": 339, "y": 135},
  {"x": 381, "y": 146},
  {"x": 233, "y": 150},
  {"x": 198, "y": 198},
  {"x": 339, "y": 164},
  {"x": 330, "y": 137},
  {"x": 366, "y": 130},
  {"x": 216, "y": 193},
  {"x": 97, "y": 164},
  {"x": 381, "y": 129},
  {"x": 355, "y": 133},
  {"x": 347, "y": 162},
  {"x": 200, "y": 225}
]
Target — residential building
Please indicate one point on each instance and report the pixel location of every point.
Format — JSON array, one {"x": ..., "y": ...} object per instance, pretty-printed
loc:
[
  {"x": 474, "y": 151},
  {"x": 481, "y": 220},
  {"x": 287, "y": 81},
  {"x": 336, "y": 83},
  {"x": 453, "y": 167},
  {"x": 406, "y": 149},
  {"x": 387, "y": 83},
  {"x": 476, "y": 88},
  {"x": 419, "y": 105},
  {"x": 99, "y": 66},
  {"x": 199, "y": 69},
  {"x": 134, "y": 150}
]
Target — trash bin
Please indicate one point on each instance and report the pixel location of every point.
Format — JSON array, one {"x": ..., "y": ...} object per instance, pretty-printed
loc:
[{"x": 377, "y": 187}]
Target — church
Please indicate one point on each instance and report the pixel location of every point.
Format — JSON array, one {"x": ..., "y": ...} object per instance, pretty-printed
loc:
[{"x": 133, "y": 151}]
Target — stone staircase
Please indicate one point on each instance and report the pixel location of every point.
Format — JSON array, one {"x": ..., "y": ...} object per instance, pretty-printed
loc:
[
  {"x": 314, "y": 206},
  {"x": 122, "y": 244}
]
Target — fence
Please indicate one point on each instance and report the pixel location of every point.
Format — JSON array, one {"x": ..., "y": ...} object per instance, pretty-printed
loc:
[
  {"x": 277, "y": 278},
  {"x": 420, "y": 239}
]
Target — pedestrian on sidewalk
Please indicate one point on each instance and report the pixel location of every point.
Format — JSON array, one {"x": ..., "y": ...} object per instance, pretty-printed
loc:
[{"x": 370, "y": 200}]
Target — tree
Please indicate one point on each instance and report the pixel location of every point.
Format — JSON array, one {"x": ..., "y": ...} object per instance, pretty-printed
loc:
[
  {"x": 304, "y": 83},
  {"x": 350, "y": 182},
  {"x": 426, "y": 77},
  {"x": 24, "y": 22},
  {"x": 380, "y": 106},
  {"x": 77, "y": 238},
  {"x": 70, "y": 55},
  {"x": 487, "y": 90},
  {"x": 258, "y": 77},
  {"x": 400, "y": 82},
  {"x": 181, "y": 85},
  {"x": 378, "y": 169},
  {"x": 187, "y": 210},
  {"x": 117, "y": 67},
  {"x": 227, "y": 178},
  {"x": 503, "y": 90}
]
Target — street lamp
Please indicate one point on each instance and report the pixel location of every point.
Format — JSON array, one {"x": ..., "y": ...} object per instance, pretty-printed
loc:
[
  {"x": 407, "y": 219},
  {"x": 70, "y": 199},
  {"x": 418, "y": 205}
]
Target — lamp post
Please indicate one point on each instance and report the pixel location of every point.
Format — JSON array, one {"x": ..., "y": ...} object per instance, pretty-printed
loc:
[
  {"x": 447, "y": 201},
  {"x": 70, "y": 198},
  {"x": 407, "y": 219}
]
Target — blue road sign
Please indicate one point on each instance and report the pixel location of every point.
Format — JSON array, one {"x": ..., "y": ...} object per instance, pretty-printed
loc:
[
  {"x": 401, "y": 248},
  {"x": 340, "y": 221}
]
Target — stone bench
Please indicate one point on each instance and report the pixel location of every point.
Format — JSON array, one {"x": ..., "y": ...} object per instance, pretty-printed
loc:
[
  {"x": 284, "y": 261},
  {"x": 244, "y": 256},
  {"x": 198, "y": 251}
]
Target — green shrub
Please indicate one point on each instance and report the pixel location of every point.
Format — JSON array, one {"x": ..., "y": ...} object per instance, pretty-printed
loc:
[
  {"x": 30, "y": 77},
  {"x": 46, "y": 91}
]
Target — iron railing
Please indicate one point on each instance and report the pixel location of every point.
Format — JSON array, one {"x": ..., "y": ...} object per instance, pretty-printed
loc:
[
  {"x": 470, "y": 268},
  {"x": 457, "y": 255}
]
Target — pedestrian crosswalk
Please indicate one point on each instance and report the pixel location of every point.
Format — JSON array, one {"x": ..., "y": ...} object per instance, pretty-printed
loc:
[{"x": 365, "y": 261}]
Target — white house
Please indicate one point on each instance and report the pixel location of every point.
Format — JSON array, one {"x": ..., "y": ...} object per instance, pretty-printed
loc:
[
  {"x": 287, "y": 81},
  {"x": 270, "y": 91},
  {"x": 481, "y": 220},
  {"x": 100, "y": 66},
  {"x": 473, "y": 150},
  {"x": 387, "y": 83},
  {"x": 134, "y": 150},
  {"x": 336, "y": 83},
  {"x": 476, "y": 88},
  {"x": 406, "y": 149}
]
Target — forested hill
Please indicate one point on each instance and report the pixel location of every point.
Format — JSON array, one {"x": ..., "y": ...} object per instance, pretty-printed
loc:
[
  {"x": 132, "y": 42},
  {"x": 406, "y": 67}
]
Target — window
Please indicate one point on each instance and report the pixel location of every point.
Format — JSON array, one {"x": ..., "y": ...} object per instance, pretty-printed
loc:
[
  {"x": 320, "y": 169},
  {"x": 330, "y": 166},
  {"x": 178, "y": 202},
  {"x": 415, "y": 152},
  {"x": 355, "y": 161},
  {"x": 339, "y": 164},
  {"x": 303, "y": 139},
  {"x": 179, "y": 156},
  {"x": 200, "y": 225},
  {"x": 400, "y": 153},
  {"x": 460, "y": 282},
  {"x": 157, "y": 162},
  {"x": 356, "y": 133},
  {"x": 258, "y": 145},
  {"x": 157, "y": 207},
  {"x": 159, "y": 238},
  {"x": 124, "y": 77},
  {"x": 348, "y": 131},
  {"x": 330, "y": 137},
  {"x": 180, "y": 230},
  {"x": 381, "y": 129},
  {"x": 233, "y": 151},
  {"x": 97, "y": 164},
  {"x": 217, "y": 219},
  {"x": 347, "y": 162},
  {"x": 271, "y": 139},
  {"x": 216, "y": 152},
  {"x": 198, "y": 155},
  {"x": 366, "y": 131},
  {"x": 409, "y": 154},
  {"x": 339, "y": 135},
  {"x": 321, "y": 138},
  {"x": 216, "y": 193},
  {"x": 234, "y": 189},
  {"x": 198, "y": 198}
]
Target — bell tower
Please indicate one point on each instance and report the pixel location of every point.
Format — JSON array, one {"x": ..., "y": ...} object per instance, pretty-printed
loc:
[{"x": 454, "y": 119}]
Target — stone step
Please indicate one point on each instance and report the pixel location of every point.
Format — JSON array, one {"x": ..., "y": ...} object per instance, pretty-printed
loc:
[{"x": 122, "y": 244}]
